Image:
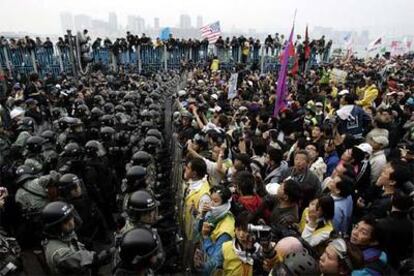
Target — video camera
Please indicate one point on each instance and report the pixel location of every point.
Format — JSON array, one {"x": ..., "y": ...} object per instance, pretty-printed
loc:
[{"x": 262, "y": 233}]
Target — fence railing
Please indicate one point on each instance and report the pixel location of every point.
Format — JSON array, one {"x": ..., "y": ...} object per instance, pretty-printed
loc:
[
  {"x": 55, "y": 61},
  {"x": 144, "y": 58}
]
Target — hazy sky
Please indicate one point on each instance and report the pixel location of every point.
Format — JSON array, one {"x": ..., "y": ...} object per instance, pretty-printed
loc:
[{"x": 42, "y": 16}]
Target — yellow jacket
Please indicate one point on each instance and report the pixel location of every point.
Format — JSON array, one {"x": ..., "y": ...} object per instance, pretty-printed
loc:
[
  {"x": 246, "y": 48},
  {"x": 232, "y": 265},
  {"x": 225, "y": 226},
  {"x": 334, "y": 92},
  {"x": 367, "y": 94},
  {"x": 215, "y": 65},
  {"x": 192, "y": 200}
]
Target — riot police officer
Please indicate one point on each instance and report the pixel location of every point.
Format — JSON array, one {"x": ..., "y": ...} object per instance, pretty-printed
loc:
[
  {"x": 135, "y": 179},
  {"x": 144, "y": 159},
  {"x": 64, "y": 254},
  {"x": 31, "y": 197},
  {"x": 99, "y": 173},
  {"x": 138, "y": 253},
  {"x": 141, "y": 211},
  {"x": 93, "y": 227},
  {"x": 49, "y": 154},
  {"x": 33, "y": 153}
]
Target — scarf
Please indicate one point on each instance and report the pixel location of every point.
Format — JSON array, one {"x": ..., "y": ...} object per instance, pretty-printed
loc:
[
  {"x": 246, "y": 256},
  {"x": 345, "y": 112},
  {"x": 217, "y": 213}
]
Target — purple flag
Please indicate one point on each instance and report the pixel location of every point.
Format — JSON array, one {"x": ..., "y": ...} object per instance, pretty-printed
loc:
[{"x": 282, "y": 81}]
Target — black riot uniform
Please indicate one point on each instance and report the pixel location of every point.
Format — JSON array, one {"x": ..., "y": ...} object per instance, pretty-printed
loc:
[
  {"x": 137, "y": 250},
  {"x": 64, "y": 254}
]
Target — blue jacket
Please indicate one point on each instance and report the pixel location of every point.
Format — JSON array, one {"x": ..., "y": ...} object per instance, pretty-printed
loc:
[
  {"x": 356, "y": 124},
  {"x": 331, "y": 162},
  {"x": 343, "y": 214},
  {"x": 375, "y": 263},
  {"x": 214, "y": 254}
]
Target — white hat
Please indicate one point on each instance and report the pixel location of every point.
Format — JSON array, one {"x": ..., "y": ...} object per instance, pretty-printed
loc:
[
  {"x": 182, "y": 93},
  {"x": 216, "y": 109},
  {"x": 365, "y": 147},
  {"x": 16, "y": 112},
  {"x": 343, "y": 92},
  {"x": 214, "y": 96},
  {"x": 381, "y": 140},
  {"x": 272, "y": 188}
]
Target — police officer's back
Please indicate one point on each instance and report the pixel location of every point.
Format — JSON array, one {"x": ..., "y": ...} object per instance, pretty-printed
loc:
[
  {"x": 137, "y": 252},
  {"x": 64, "y": 254}
]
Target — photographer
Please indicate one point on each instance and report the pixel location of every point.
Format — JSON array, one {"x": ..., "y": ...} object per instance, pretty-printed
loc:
[{"x": 247, "y": 253}]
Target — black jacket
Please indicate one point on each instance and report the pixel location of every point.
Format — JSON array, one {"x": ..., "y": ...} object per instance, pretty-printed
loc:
[{"x": 395, "y": 235}]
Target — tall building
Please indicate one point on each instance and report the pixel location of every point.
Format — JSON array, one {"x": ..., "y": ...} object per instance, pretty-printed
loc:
[
  {"x": 113, "y": 22},
  {"x": 82, "y": 22},
  {"x": 156, "y": 23},
  {"x": 199, "y": 21},
  {"x": 66, "y": 21},
  {"x": 135, "y": 24},
  {"x": 132, "y": 24},
  {"x": 185, "y": 21},
  {"x": 140, "y": 25},
  {"x": 100, "y": 27}
]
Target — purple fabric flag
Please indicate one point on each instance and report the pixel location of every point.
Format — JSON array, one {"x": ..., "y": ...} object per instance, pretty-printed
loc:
[{"x": 281, "y": 81}]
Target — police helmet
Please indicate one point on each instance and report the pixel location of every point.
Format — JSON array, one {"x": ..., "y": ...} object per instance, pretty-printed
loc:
[
  {"x": 49, "y": 136},
  {"x": 72, "y": 149},
  {"x": 141, "y": 158},
  {"x": 67, "y": 182},
  {"x": 135, "y": 178},
  {"x": 154, "y": 132},
  {"x": 301, "y": 263},
  {"x": 23, "y": 173},
  {"x": 56, "y": 212},
  {"x": 138, "y": 246},
  {"x": 139, "y": 202},
  {"x": 34, "y": 144},
  {"x": 109, "y": 108}
]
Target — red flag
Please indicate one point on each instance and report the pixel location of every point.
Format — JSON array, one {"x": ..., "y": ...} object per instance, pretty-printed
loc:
[
  {"x": 307, "y": 48},
  {"x": 291, "y": 55}
]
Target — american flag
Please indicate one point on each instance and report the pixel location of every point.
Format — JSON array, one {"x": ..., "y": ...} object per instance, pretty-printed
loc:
[{"x": 211, "y": 31}]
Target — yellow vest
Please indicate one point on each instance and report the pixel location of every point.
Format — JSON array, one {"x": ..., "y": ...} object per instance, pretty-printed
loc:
[
  {"x": 225, "y": 225},
  {"x": 302, "y": 222},
  {"x": 193, "y": 197},
  {"x": 232, "y": 264},
  {"x": 328, "y": 227},
  {"x": 334, "y": 92},
  {"x": 214, "y": 65}
]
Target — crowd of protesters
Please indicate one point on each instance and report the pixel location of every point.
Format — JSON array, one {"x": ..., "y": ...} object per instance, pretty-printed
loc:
[{"x": 325, "y": 186}]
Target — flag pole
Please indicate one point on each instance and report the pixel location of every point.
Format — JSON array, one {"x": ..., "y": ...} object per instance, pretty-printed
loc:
[{"x": 281, "y": 86}]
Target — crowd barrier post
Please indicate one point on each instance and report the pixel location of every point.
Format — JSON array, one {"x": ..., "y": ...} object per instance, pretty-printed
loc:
[
  {"x": 7, "y": 60},
  {"x": 139, "y": 58},
  {"x": 262, "y": 60},
  {"x": 165, "y": 58}
]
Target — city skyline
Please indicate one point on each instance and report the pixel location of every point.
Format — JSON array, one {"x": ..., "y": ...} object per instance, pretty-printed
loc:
[{"x": 392, "y": 18}]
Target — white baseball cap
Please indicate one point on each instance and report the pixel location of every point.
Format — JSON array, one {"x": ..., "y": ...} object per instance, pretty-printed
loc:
[
  {"x": 272, "y": 188},
  {"x": 343, "y": 92},
  {"x": 365, "y": 147}
]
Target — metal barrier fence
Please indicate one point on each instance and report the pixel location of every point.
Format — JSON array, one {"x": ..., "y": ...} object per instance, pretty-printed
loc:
[{"x": 58, "y": 60}]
